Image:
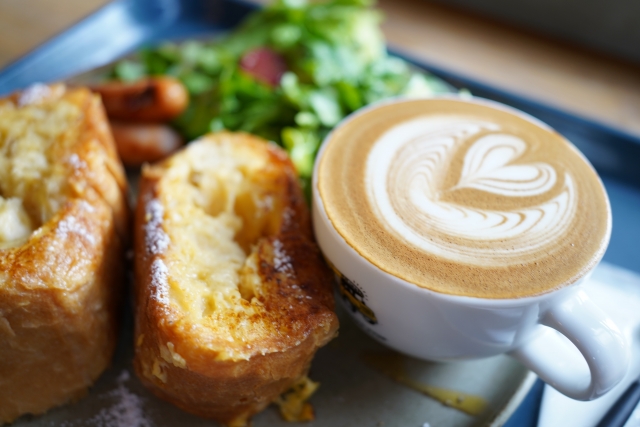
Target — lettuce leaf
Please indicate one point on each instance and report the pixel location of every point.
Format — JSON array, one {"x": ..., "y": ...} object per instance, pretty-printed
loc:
[{"x": 336, "y": 59}]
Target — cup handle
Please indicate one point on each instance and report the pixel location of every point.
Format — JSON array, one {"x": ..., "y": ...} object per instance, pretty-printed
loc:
[{"x": 605, "y": 351}]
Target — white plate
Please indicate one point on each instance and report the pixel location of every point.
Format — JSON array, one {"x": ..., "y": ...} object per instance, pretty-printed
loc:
[{"x": 352, "y": 393}]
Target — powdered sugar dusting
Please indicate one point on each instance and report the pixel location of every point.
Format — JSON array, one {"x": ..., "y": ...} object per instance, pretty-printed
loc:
[
  {"x": 70, "y": 224},
  {"x": 287, "y": 215},
  {"x": 156, "y": 239},
  {"x": 34, "y": 94},
  {"x": 127, "y": 411},
  {"x": 75, "y": 162},
  {"x": 265, "y": 203},
  {"x": 86, "y": 206},
  {"x": 159, "y": 282},
  {"x": 281, "y": 261}
]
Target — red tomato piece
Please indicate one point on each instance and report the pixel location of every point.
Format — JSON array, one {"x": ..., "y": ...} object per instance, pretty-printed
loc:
[{"x": 264, "y": 64}]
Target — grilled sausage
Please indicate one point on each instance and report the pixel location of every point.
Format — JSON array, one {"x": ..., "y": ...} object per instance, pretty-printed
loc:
[
  {"x": 155, "y": 99},
  {"x": 138, "y": 143}
]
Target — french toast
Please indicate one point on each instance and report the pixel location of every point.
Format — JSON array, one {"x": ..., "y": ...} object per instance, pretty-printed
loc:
[
  {"x": 63, "y": 224},
  {"x": 232, "y": 295}
]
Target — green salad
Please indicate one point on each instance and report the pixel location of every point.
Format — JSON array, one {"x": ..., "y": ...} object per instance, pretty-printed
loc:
[{"x": 289, "y": 73}]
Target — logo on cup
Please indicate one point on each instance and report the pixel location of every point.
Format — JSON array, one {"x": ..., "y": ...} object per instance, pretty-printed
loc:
[{"x": 352, "y": 294}]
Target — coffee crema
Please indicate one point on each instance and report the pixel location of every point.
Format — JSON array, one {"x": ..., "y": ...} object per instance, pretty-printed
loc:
[{"x": 464, "y": 197}]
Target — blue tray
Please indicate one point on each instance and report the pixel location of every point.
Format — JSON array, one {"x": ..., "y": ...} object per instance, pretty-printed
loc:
[{"x": 125, "y": 25}]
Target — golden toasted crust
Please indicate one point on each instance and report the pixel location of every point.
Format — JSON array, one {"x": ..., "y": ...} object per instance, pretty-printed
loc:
[
  {"x": 59, "y": 288},
  {"x": 228, "y": 351}
]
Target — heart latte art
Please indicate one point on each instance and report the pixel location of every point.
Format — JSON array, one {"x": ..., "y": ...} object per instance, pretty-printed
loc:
[
  {"x": 463, "y": 197},
  {"x": 406, "y": 171}
]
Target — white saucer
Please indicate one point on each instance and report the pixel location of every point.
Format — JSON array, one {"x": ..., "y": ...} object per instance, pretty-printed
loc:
[{"x": 617, "y": 292}]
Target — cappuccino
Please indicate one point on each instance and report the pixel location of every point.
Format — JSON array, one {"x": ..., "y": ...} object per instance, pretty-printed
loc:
[{"x": 464, "y": 197}]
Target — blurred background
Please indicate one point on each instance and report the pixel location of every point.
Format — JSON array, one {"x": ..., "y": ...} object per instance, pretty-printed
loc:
[
  {"x": 579, "y": 55},
  {"x": 608, "y": 26}
]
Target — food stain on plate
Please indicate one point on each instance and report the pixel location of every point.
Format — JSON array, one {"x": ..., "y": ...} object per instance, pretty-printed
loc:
[{"x": 392, "y": 365}]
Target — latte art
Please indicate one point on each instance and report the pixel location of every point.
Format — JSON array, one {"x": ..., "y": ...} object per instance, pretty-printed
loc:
[
  {"x": 406, "y": 170},
  {"x": 487, "y": 167},
  {"x": 463, "y": 197}
]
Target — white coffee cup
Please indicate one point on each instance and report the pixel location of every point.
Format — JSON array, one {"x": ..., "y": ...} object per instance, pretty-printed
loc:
[{"x": 442, "y": 327}]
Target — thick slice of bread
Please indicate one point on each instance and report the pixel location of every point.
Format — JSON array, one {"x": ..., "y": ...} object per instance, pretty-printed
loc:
[
  {"x": 233, "y": 297},
  {"x": 63, "y": 218}
]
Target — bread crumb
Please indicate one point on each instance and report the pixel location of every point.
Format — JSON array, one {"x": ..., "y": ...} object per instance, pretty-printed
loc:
[
  {"x": 293, "y": 403},
  {"x": 158, "y": 371},
  {"x": 170, "y": 355}
]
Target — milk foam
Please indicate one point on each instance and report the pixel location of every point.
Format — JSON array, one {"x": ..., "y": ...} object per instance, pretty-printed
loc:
[
  {"x": 463, "y": 197},
  {"x": 405, "y": 183}
]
